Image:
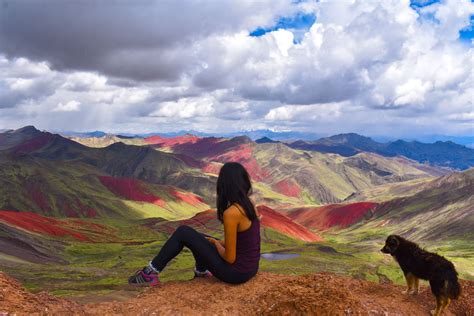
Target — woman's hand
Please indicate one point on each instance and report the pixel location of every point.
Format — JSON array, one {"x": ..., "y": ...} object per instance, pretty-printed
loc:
[
  {"x": 212, "y": 240},
  {"x": 215, "y": 241}
]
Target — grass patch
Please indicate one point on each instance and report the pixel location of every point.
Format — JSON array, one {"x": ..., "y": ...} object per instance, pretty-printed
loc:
[{"x": 102, "y": 268}]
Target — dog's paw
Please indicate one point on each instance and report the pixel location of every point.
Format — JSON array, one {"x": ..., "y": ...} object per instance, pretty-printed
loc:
[
  {"x": 405, "y": 292},
  {"x": 433, "y": 312}
]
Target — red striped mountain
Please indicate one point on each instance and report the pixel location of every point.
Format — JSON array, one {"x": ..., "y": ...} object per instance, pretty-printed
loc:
[
  {"x": 332, "y": 215},
  {"x": 286, "y": 176}
]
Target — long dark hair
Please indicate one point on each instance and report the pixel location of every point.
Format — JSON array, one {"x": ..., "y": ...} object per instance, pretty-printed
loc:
[{"x": 234, "y": 186}]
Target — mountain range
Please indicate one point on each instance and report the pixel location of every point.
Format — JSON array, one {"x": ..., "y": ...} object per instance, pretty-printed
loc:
[
  {"x": 440, "y": 153},
  {"x": 467, "y": 140},
  {"x": 67, "y": 203},
  {"x": 445, "y": 154},
  {"x": 49, "y": 173}
]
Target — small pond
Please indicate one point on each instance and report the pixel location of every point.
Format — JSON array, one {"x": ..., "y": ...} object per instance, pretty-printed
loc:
[{"x": 279, "y": 256}]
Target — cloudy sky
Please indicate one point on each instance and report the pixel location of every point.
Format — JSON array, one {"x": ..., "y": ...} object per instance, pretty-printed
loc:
[{"x": 393, "y": 68}]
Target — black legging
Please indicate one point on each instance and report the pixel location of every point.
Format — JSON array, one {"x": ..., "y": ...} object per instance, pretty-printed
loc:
[{"x": 205, "y": 254}]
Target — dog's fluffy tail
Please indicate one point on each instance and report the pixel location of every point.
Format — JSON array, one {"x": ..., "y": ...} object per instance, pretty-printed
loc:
[{"x": 452, "y": 284}]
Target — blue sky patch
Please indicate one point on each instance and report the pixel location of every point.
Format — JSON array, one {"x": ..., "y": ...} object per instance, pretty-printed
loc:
[
  {"x": 421, "y": 3},
  {"x": 299, "y": 22},
  {"x": 467, "y": 34}
]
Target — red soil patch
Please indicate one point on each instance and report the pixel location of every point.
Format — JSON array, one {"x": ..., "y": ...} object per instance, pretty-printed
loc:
[
  {"x": 16, "y": 300},
  {"x": 203, "y": 148},
  {"x": 39, "y": 224},
  {"x": 243, "y": 155},
  {"x": 240, "y": 153},
  {"x": 171, "y": 141},
  {"x": 187, "y": 197},
  {"x": 288, "y": 188},
  {"x": 283, "y": 224},
  {"x": 190, "y": 161},
  {"x": 325, "y": 217},
  {"x": 90, "y": 212},
  {"x": 32, "y": 144},
  {"x": 89, "y": 226},
  {"x": 95, "y": 232},
  {"x": 69, "y": 211},
  {"x": 190, "y": 149},
  {"x": 131, "y": 189},
  {"x": 35, "y": 193},
  {"x": 212, "y": 168},
  {"x": 254, "y": 169},
  {"x": 209, "y": 147},
  {"x": 77, "y": 209}
]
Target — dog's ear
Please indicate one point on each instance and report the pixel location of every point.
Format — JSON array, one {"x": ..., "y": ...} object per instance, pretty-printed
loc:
[{"x": 393, "y": 241}]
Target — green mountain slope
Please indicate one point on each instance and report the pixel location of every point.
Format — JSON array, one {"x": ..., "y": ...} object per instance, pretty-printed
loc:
[
  {"x": 443, "y": 210},
  {"x": 51, "y": 175}
]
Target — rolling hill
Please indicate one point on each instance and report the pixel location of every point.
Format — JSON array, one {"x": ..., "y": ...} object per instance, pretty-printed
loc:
[
  {"x": 443, "y": 210},
  {"x": 438, "y": 209},
  {"x": 46, "y": 173}
]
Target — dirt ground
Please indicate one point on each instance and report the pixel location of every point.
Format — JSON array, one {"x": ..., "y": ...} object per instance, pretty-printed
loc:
[{"x": 267, "y": 293}]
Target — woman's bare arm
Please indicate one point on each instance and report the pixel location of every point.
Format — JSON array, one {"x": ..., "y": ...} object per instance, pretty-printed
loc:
[{"x": 227, "y": 247}]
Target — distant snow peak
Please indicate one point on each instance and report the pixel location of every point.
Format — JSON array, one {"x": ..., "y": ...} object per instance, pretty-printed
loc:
[{"x": 279, "y": 130}]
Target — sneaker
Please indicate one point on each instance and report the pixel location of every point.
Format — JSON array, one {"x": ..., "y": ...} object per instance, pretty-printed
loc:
[
  {"x": 142, "y": 278},
  {"x": 204, "y": 274}
]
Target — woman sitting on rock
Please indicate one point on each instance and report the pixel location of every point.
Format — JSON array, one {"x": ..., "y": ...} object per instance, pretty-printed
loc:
[{"x": 234, "y": 259}]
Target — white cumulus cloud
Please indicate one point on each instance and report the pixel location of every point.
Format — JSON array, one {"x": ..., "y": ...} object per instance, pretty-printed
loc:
[
  {"x": 70, "y": 106},
  {"x": 373, "y": 67}
]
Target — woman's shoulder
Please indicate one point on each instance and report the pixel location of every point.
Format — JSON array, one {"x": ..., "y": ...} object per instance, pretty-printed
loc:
[
  {"x": 234, "y": 209},
  {"x": 232, "y": 214}
]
